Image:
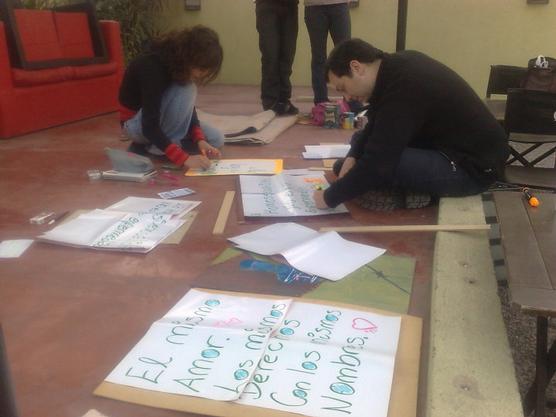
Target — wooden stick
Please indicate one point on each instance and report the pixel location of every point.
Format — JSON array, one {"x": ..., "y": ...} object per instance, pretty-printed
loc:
[
  {"x": 408, "y": 228},
  {"x": 223, "y": 213}
]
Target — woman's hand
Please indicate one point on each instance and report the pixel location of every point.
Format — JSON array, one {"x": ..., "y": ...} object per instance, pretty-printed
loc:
[
  {"x": 348, "y": 164},
  {"x": 197, "y": 161},
  {"x": 208, "y": 150},
  {"x": 318, "y": 196}
]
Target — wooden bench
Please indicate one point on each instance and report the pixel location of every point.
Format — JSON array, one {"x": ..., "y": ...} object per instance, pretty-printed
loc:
[
  {"x": 471, "y": 371},
  {"x": 528, "y": 236}
]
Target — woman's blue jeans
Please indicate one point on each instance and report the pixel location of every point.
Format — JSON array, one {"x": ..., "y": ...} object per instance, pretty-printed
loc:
[{"x": 176, "y": 111}]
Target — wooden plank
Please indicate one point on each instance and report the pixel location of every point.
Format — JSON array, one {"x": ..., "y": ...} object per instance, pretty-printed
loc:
[
  {"x": 408, "y": 228},
  {"x": 521, "y": 250},
  {"x": 534, "y": 301},
  {"x": 470, "y": 372},
  {"x": 223, "y": 213}
]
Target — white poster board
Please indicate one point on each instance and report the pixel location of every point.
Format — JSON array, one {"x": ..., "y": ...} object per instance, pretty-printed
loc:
[
  {"x": 325, "y": 151},
  {"x": 237, "y": 167},
  {"x": 283, "y": 195},
  {"x": 134, "y": 224},
  {"x": 300, "y": 357},
  {"x": 326, "y": 255}
]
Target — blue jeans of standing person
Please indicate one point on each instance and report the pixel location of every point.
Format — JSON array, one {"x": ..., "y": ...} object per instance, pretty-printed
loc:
[
  {"x": 176, "y": 112},
  {"x": 277, "y": 25},
  {"x": 320, "y": 20}
]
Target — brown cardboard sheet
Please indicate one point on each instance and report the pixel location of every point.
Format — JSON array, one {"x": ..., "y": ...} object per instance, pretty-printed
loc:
[{"x": 403, "y": 398}]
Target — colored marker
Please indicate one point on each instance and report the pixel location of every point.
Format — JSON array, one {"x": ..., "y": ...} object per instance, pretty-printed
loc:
[{"x": 531, "y": 199}]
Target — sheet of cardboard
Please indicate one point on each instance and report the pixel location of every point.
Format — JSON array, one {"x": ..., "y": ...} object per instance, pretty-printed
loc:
[{"x": 403, "y": 399}]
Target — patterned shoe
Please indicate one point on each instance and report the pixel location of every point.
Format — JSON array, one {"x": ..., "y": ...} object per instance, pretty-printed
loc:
[
  {"x": 415, "y": 200},
  {"x": 381, "y": 200}
]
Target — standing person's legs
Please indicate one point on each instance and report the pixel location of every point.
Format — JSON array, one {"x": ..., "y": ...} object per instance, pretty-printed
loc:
[
  {"x": 176, "y": 110},
  {"x": 339, "y": 21},
  {"x": 267, "y": 26},
  {"x": 317, "y": 27},
  {"x": 288, "y": 43}
]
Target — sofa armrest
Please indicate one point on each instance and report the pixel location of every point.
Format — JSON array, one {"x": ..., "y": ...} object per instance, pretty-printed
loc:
[
  {"x": 111, "y": 33},
  {"x": 5, "y": 65}
]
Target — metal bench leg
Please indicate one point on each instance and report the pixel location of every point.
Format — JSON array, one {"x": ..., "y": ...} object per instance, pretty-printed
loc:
[
  {"x": 537, "y": 400},
  {"x": 530, "y": 397}
]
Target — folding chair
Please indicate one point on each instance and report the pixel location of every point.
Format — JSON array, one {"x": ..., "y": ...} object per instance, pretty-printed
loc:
[
  {"x": 530, "y": 118},
  {"x": 504, "y": 77}
]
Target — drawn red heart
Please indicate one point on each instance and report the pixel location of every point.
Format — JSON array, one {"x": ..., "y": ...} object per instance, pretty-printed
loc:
[{"x": 364, "y": 325}]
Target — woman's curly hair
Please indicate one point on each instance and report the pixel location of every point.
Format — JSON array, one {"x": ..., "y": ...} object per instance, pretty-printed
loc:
[{"x": 196, "y": 47}]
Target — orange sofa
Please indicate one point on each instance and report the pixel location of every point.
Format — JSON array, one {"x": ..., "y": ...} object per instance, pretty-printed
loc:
[{"x": 74, "y": 84}]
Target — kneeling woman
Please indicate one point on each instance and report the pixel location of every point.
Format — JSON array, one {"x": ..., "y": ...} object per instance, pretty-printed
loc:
[{"x": 158, "y": 92}]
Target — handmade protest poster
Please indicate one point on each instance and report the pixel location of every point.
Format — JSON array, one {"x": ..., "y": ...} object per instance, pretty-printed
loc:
[
  {"x": 134, "y": 224},
  {"x": 327, "y": 361},
  {"x": 238, "y": 166},
  {"x": 325, "y": 151},
  {"x": 207, "y": 345},
  {"x": 282, "y": 354},
  {"x": 283, "y": 195},
  {"x": 326, "y": 255}
]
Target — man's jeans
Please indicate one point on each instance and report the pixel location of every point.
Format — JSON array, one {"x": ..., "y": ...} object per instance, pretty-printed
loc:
[
  {"x": 176, "y": 111},
  {"x": 432, "y": 172}
]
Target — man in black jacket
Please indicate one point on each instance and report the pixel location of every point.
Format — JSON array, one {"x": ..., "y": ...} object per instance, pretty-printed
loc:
[{"x": 427, "y": 131}]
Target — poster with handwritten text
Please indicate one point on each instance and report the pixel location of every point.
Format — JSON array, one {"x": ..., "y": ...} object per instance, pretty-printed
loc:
[
  {"x": 283, "y": 195},
  {"x": 282, "y": 354},
  {"x": 237, "y": 167},
  {"x": 207, "y": 345}
]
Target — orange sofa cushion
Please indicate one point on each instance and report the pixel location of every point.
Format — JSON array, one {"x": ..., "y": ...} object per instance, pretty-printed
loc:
[
  {"x": 37, "y": 31},
  {"x": 74, "y": 35}
]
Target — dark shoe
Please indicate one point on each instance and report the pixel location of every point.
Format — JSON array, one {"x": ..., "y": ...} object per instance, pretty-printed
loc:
[
  {"x": 381, "y": 200},
  {"x": 392, "y": 199},
  {"x": 284, "y": 108},
  {"x": 414, "y": 200},
  {"x": 291, "y": 109},
  {"x": 138, "y": 148}
]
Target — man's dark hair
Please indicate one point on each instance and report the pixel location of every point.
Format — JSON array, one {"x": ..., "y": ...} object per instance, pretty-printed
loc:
[
  {"x": 347, "y": 51},
  {"x": 196, "y": 47}
]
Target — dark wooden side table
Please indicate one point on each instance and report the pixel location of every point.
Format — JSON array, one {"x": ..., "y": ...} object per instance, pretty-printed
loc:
[{"x": 528, "y": 237}]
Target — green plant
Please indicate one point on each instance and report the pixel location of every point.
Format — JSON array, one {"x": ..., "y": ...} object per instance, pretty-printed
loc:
[
  {"x": 137, "y": 21},
  {"x": 136, "y": 17}
]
